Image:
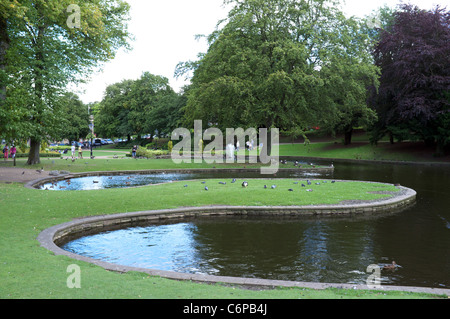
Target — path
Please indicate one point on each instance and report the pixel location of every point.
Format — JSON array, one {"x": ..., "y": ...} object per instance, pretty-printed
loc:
[{"x": 20, "y": 175}]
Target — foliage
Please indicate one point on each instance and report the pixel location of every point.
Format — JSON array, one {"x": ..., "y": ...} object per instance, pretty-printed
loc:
[
  {"x": 414, "y": 94},
  {"x": 284, "y": 64},
  {"x": 76, "y": 118},
  {"x": 137, "y": 107},
  {"x": 45, "y": 53}
]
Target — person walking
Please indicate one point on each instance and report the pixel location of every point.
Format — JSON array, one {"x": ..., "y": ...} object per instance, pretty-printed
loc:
[
  {"x": 133, "y": 151},
  {"x": 73, "y": 151},
  {"x": 5, "y": 152},
  {"x": 13, "y": 151},
  {"x": 80, "y": 152}
]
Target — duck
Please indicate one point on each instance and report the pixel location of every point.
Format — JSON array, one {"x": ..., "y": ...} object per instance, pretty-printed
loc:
[
  {"x": 185, "y": 185},
  {"x": 274, "y": 186},
  {"x": 303, "y": 185},
  {"x": 290, "y": 189},
  {"x": 206, "y": 188},
  {"x": 265, "y": 186},
  {"x": 390, "y": 266},
  {"x": 234, "y": 180},
  {"x": 244, "y": 184}
]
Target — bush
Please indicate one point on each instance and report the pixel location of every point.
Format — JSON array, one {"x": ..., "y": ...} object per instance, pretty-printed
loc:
[
  {"x": 42, "y": 154},
  {"x": 142, "y": 152}
]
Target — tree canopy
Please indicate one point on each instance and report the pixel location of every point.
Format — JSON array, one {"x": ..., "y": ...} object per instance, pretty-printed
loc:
[
  {"x": 283, "y": 63},
  {"x": 47, "y": 44},
  {"x": 138, "y": 107},
  {"x": 414, "y": 95}
]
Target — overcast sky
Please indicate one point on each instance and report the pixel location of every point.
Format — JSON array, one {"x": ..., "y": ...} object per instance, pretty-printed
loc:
[{"x": 165, "y": 30}]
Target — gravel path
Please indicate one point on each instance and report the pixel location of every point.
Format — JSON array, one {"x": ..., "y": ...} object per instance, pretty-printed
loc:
[{"x": 20, "y": 175}]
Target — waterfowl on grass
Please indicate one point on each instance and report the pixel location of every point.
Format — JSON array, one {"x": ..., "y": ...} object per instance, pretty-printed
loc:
[{"x": 244, "y": 184}]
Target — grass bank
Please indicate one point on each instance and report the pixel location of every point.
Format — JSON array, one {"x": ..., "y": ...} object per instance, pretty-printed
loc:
[
  {"x": 30, "y": 271},
  {"x": 361, "y": 150}
]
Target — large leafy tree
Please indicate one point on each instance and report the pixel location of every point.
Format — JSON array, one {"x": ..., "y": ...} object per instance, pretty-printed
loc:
[
  {"x": 51, "y": 43},
  {"x": 76, "y": 119},
  {"x": 136, "y": 107},
  {"x": 282, "y": 63},
  {"x": 413, "y": 53}
]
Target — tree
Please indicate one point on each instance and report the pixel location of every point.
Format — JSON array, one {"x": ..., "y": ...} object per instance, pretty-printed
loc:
[
  {"x": 414, "y": 57},
  {"x": 76, "y": 117},
  {"x": 137, "y": 107},
  {"x": 53, "y": 43},
  {"x": 111, "y": 117},
  {"x": 274, "y": 64}
]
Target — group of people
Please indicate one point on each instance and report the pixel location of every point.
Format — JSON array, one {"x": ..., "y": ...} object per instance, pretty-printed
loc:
[
  {"x": 80, "y": 151},
  {"x": 9, "y": 152}
]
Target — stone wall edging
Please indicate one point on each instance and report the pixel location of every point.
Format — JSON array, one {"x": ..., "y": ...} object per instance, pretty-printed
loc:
[{"x": 48, "y": 237}]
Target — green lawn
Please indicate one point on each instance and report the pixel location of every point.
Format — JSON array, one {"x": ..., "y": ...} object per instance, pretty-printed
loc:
[
  {"x": 30, "y": 271},
  {"x": 405, "y": 151}
]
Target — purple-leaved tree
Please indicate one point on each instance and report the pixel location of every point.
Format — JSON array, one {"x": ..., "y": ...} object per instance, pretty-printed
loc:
[{"x": 414, "y": 56}]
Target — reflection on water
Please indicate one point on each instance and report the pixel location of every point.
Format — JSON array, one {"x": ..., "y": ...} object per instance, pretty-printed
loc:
[
  {"x": 117, "y": 181},
  {"x": 315, "y": 249}
]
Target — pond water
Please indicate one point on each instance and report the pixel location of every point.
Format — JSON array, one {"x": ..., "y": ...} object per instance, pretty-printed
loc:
[
  {"x": 335, "y": 250},
  {"x": 117, "y": 181}
]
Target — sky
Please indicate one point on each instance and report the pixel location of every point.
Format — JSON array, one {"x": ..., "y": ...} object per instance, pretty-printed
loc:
[{"x": 164, "y": 34}]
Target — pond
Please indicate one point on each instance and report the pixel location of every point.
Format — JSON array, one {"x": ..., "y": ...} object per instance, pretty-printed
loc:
[
  {"x": 116, "y": 181},
  {"x": 334, "y": 250}
]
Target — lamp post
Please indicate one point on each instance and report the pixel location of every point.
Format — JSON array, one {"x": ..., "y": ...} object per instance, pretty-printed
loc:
[{"x": 91, "y": 126}]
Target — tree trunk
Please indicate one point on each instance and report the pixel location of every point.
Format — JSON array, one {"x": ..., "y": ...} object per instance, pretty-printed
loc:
[
  {"x": 33, "y": 156},
  {"x": 4, "y": 45},
  {"x": 348, "y": 137},
  {"x": 35, "y": 142},
  {"x": 391, "y": 138}
]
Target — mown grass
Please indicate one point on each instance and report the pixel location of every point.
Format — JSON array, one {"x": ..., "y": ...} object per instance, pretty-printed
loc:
[
  {"x": 411, "y": 152},
  {"x": 30, "y": 271}
]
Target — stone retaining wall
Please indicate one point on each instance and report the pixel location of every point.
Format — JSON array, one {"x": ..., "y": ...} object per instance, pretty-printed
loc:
[{"x": 61, "y": 233}]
